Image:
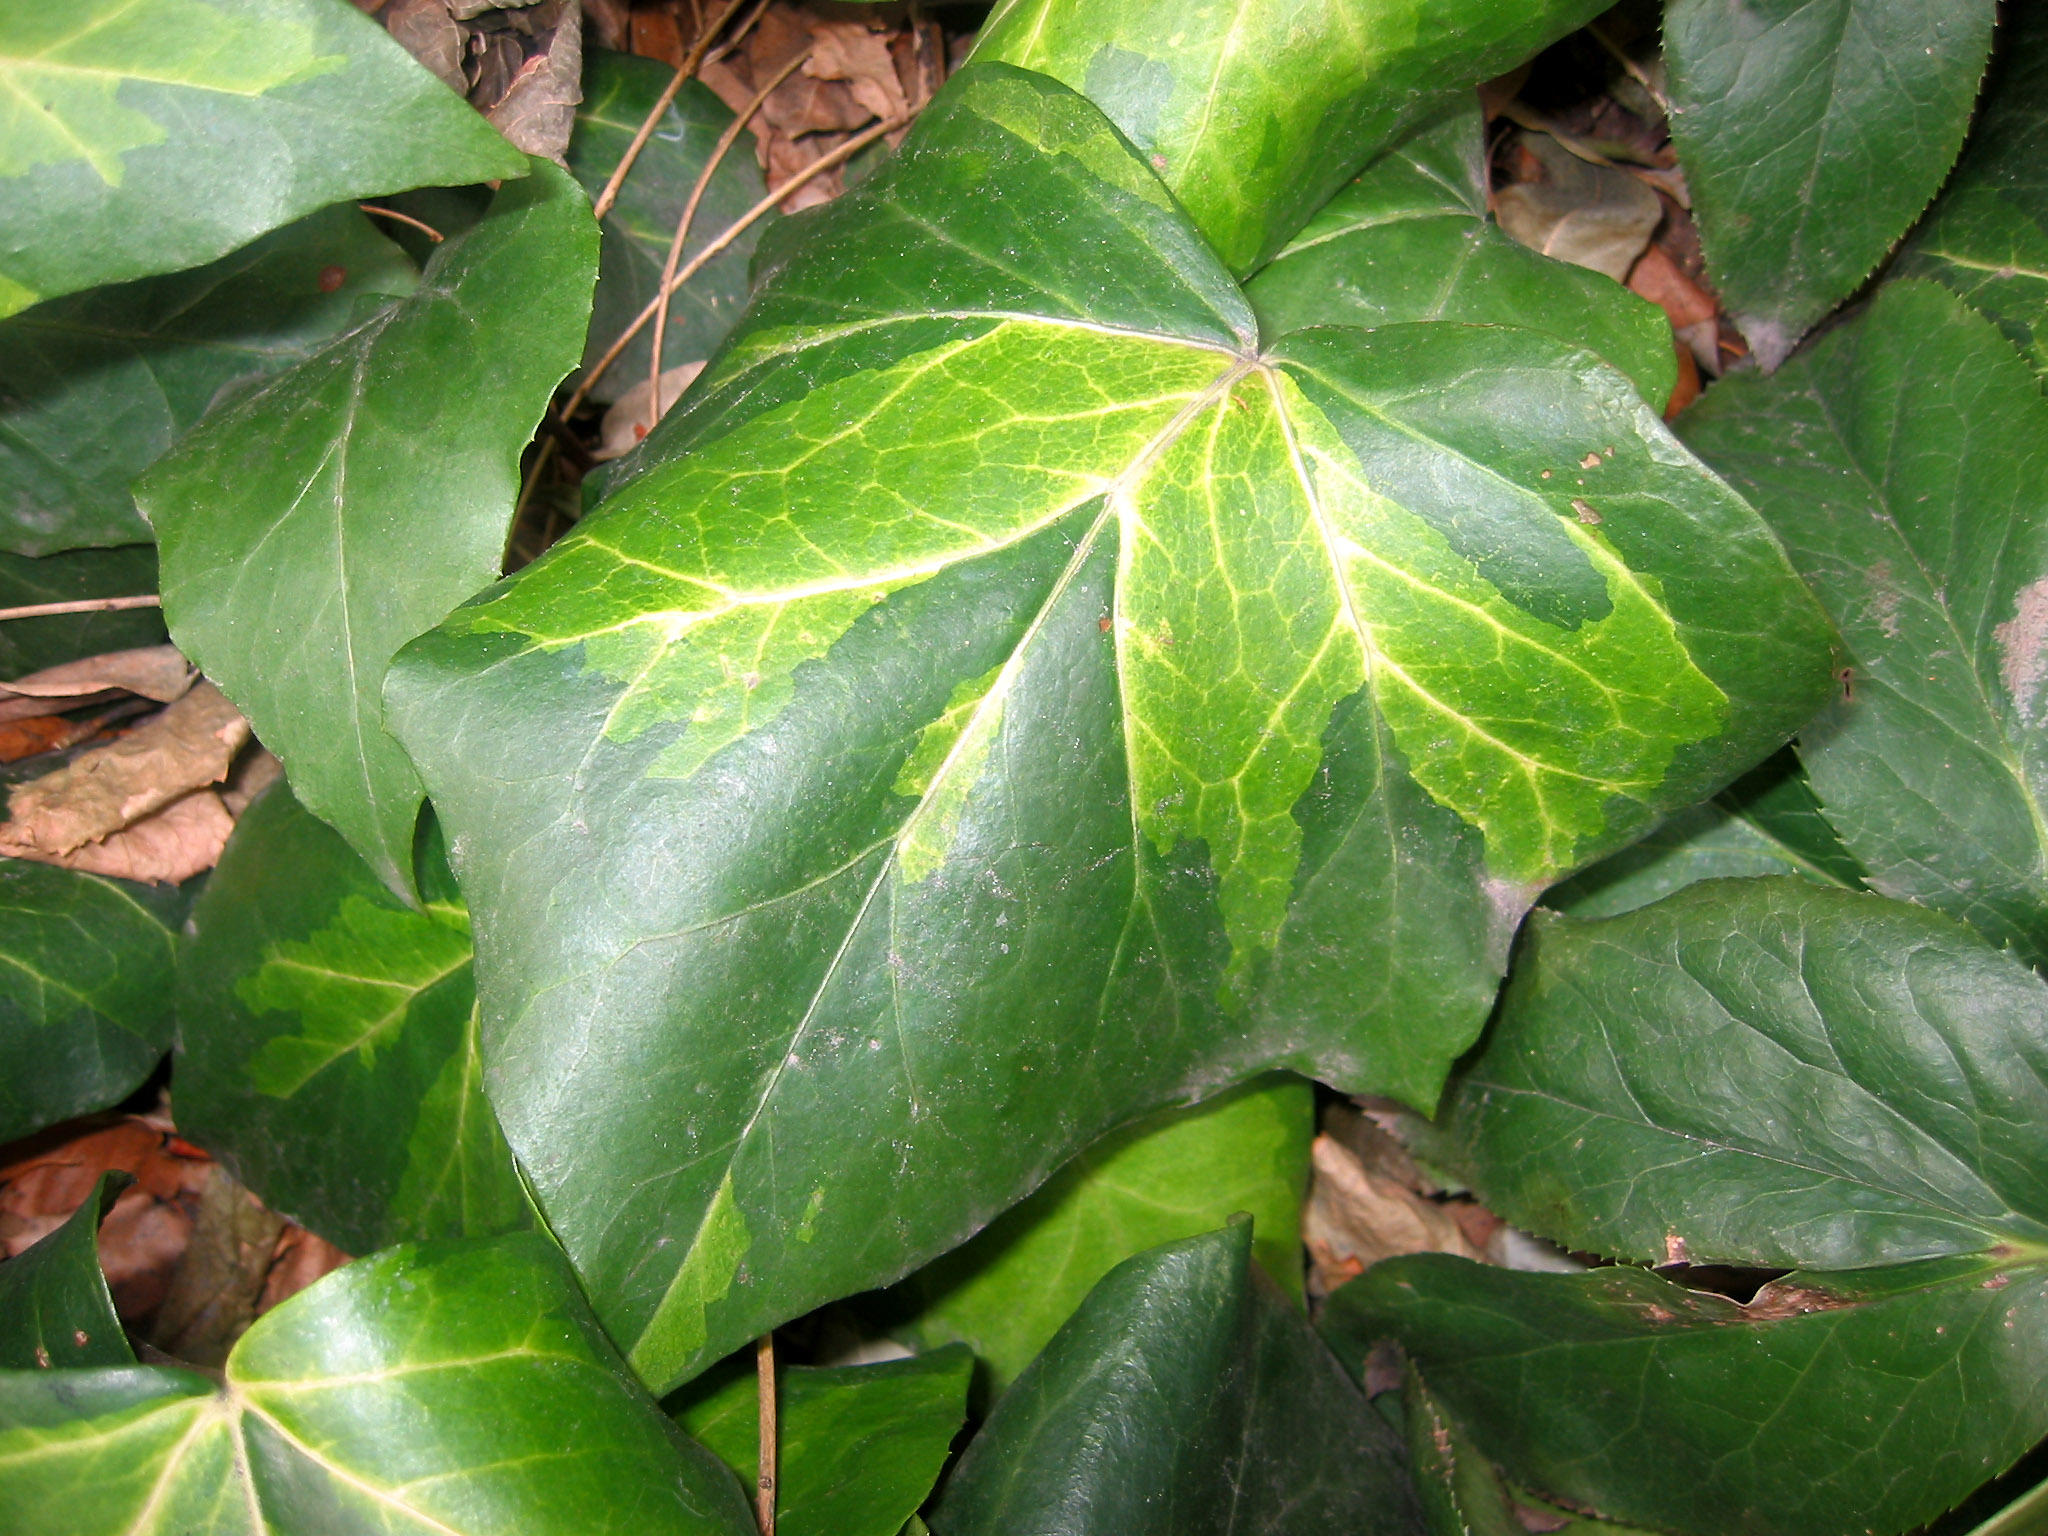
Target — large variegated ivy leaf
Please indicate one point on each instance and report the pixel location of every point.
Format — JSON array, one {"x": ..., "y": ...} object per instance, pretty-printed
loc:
[
  {"x": 95, "y": 387},
  {"x": 1905, "y": 465},
  {"x": 1184, "y": 1398},
  {"x": 55, "y": 1309},
  {"x": 327, "y": 1040},
  {"x": 1410, "y": 240},
  {"x": 1254, "y": 111},
  {"x": 1004, "y": 699},
  {"x": 317, "y": 524},
  {"x": 29, "y": 645},
  {"x": 141, "y": 136},
  {"x": 461, "y": 1389},
  {"x": 1812, "y": 133}
]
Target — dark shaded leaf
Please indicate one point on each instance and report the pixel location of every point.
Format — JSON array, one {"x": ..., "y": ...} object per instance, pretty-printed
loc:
[{"x": 55, "y": 1312}]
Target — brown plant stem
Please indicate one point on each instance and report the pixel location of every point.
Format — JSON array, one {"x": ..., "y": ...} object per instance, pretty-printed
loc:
[
  {"x": 764, "y": 1482},
  {"x": 83, "y": 605}
]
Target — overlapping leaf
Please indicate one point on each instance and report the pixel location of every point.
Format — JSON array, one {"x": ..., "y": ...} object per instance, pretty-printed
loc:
[
  {"x": 328, "y": 1040},
  {"x": 29, "y": 645},
  {"x": 1812, "y": 134},
  {"x": 457, "y": 1388},
  {"x": 320, "y": 522},
  {"x": 94, "y": 388},
  {"x": 86, "y": 968},
  {"x": 141, "y": 136},
  {"x": 1255, "y": 111},
  {"x": 55, "y": 1309},
  {"x": 1410, "y": 240},
  {"x": 1185, "y": 1398},
  {"x": 1003, "y": 700},
  {"x": 1905, "y": 465}
]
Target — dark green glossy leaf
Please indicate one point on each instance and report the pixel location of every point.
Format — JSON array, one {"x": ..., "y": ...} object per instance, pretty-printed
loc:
[
  {"x": 1173, "y": 1175},
  {"x": 368, "y": 491},
  {"x": 1833, "y": 1405},
  {"x": 1986, "y": 237},
  {"x": 1185, "y": 1398},
  {"x": 1905, "y": 465},
  {"x": 94, "y": 388},
  {"x": 459, "y": 1389},
  {"x": 327, "y": 1044},
  {"x": 619, "y": 91},
  {"x": 1003, "y": 701},
  {"x": 29, "y": 645},
  {"x": 1812, "y": 134},
  {"x": 1255, "y": 111},
  {"x": 1410, "y": 240},
  {"x": 143, "y": 136},
  {"x": 86, "y": 967},
  {"x": 1766, "y": 823},
  {"x": 857, "y": 1447},
  {"x": 55, "y": 1310}
]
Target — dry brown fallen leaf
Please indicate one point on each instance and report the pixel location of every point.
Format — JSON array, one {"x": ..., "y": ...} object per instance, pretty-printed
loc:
[
  {"x": 156, "y": 672},
  {"x": 169, "y": 846},
  {"x": 1355, "y": 1218},
  {"x": 625, "y": 420},
  {"x": 537, "y": 110}
]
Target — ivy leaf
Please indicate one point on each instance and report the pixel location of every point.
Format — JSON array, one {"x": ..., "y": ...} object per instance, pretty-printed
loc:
[
  {"x": 1812, "y": 134},
  {"x": 98, "y": 386},
  {"x": 55, "y": 1309},
  {"x": 86, "y": 966},
  {"x": 29, "y": 645},
  {"x": 143, "y": 136},
  {"x": 1987, "y": 235},
  {"x": 425, "y": 1388},
  {"x": 369, "y": 490},
  {"x": 857, "y": 1447},
  {"x": 1185, "y": 1397},
  {"x": 1318, "y": 88},
  {"x": 1905, "y": 465},
  {"x": 954, "y": 736},
  {"x": 1410, "y": 240},
  {"x": 1170, "y": 1176},
  {"x": 328, "y": 1040},
  {"x": 619, "y": 90}
]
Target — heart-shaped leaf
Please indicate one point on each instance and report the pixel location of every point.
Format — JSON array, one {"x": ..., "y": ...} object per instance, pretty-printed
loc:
[
  {"x": 314, "y": 526},
  {"x": 1905, "y": 465},
  {"x": 1410, "y": 240},
  {"x": 147, "y": 135},
  {"x": 1184, "y": 1398},
  {"x": 29, "y": 645},
  {"x": 55, "y": 1309},
  {"x": 1812, "y": 134},
  {"x": 1004, "y": 700},
  {"x": 86, "y": 968},
  {"x": 1318, "y": 88},
  {"x": 456, "y": 1388},
  {"x": 97, "y": 386},
  {"x": 327, "y": 1044}
]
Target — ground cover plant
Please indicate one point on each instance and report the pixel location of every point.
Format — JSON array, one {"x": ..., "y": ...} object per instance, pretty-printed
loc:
[{"x": 783, "y": 800}]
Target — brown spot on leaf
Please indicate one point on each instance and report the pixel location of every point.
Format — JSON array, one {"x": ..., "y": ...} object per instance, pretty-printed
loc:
[
  {"x": 1781, "y": 1300},
  {"x": 1675, "y": 1249},
  {"x": 1586, "y": 514},
  {"x": 331, "y": 278},
  {"x": 2022, "y": 643},
  {"x": 1590, "y": 461}
]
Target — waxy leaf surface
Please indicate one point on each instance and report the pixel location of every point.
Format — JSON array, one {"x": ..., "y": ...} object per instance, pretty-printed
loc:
[
  {"x": 55, "y": 1309},
  {"x": 1254, "y": 111},
  {"x": 317, "y": 524},
  {"x": 1185, "y": 1398},
  {"x": 327, "y": 1041},
  {"x": 1410, "y": 240},
  {"x": 1173, "y": 1175},
  {"x": 29, "y": 645},
  {"x": 460, "y": 1389},
  {"x": 1812, "y": 133},
  {"x": 86, "y": 971},
  {"x": 1003, "y": 700},
  {"x": 94, "y": 388},
  {"x": 141, "y": 136},
  {"x": 619, "y": 90},
  {"x": 1905, "y": 465}
]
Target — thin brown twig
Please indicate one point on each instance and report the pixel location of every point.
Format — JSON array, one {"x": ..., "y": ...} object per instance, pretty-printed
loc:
[
  {"x": 395, "y": 216},
  {"x": 764, "y": 1481},
  {"x": 675, "y": 247},
  {"x": 83, "y": 605}
]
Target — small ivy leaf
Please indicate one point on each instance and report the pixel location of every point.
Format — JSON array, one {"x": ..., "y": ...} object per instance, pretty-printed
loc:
[
  {"x": 1410, "y": 240},
  {"x": 1184, "y": 1398},
  {"x": 1319, "y": 88},
  {"x": 1812, "y": 133},
  {"x": 1905, "y": 465},
  {"x": 152, "y": 135},
  {"x": 328, "y": 1040},
  {"x": 55, "y": 1309},
  {"x": 316, "y": 524},
  {"x": 1986, "y": 237},
  {"x": 457, "y": 1387}
]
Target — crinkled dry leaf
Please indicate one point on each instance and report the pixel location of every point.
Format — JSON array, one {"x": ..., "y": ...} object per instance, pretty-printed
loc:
[
  {"x": 1355, "y": 1218},
  {"x": 156, "y": 672},
  {"x": 851, "y": 51},
  {"x": 538, "y": 110},
  {"x": 424, "y": 29},
  {"x": 1590, "y": 215},
  {"x": 183, "y": 839}
]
